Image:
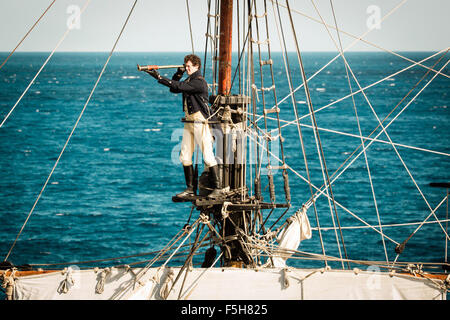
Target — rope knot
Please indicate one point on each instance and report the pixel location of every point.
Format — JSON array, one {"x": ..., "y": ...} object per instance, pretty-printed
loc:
[
  {"x": 224, "y": 211},
  {"x": 68, "y": 282},
  {"x": 164, "y": 292},
  {"x": 447, "y": 282},
  {"x": 204, "y": 218},
  {"x": 415, "y": 269},
  {"x": 286, "y": 278},
  {"x": 9, "y": 282},
  {"x": 100, "y": 287}
]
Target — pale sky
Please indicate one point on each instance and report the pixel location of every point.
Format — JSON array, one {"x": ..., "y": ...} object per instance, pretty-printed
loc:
[{"x": 162, "y": 25}]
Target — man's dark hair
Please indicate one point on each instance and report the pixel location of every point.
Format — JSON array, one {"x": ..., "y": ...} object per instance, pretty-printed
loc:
[{"x": 194, "y": 59}]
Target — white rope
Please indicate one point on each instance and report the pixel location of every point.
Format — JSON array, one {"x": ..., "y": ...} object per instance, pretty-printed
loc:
[
  {"x": 348, "y": 47},
  {"x": 267, "y": 249},
  {"x": 314, "y": 131},
  {"x": 193, "y": 285},
  {"x": 26, "y": 35},
  {"x": 347, "y": 96},
  {"x": 298, "y": 127},
  {"x": 147, "y": 267},
  {"x": 100, "y": 286},
  {"x": 347, "y": 67},
  {"x": 9, "y": 282},
  {"x": 42, "y": 67},
  {"x": 376, "y": 140},
  {"x": 383, "y": 130},
  {"x": 446, "y": 228},
  {"x": 403, "y": 266},
  {"x": 213, "y": 43},
  {"x": 246, "y": 74},
  {"x": 320, "y": 192},
  {"x": 297, "y": 254},
  {"x": 347, "y": 210},
  {"x": 164, "y": 290},
  {"x": 190, "y": 25},
  {"x": 288, "y": 122},
  {"x": 432, "y": 213},
  {"x": 360, "y": 38},
  {"x": 144, "y": 270},
  {"x": 67, "y": 283},
  {"x": 179, "y": 246},
  {"x": 385, "y": 225},
  {"x": 355, "y": 92}
]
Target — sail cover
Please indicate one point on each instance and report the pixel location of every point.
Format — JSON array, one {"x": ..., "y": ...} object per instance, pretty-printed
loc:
[
  {"x": 229, "y": 283},
  {"x": 289, "y": 239}
]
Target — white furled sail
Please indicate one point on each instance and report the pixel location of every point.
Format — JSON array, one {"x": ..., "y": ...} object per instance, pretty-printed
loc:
[
  {"x": 230, "y": 283},
  {"x": 297, "y": 230}
]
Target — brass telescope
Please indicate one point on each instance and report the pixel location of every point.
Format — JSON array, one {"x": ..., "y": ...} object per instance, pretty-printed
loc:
[{"x": 154, "y": 67}]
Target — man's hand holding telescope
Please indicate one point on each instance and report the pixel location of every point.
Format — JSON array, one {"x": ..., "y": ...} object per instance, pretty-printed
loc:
[{"x": 152, "y": 70}]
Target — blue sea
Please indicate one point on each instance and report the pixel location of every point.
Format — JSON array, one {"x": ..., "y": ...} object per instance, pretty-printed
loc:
[{"x": 110, "y": 195}]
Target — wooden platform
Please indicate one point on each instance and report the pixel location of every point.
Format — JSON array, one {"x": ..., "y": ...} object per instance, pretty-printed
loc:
[{"x": 233, "y": 204}]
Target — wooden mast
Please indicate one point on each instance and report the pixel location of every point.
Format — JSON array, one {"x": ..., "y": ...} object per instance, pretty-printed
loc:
[
  {"x": 225, "y": 51},
  {"x": 225, "y": 46},
  {"x": 225, "y": 57}
]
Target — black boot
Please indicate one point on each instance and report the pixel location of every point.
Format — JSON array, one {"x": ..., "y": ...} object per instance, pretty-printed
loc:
[
  {"x": 217, "y": 192},
  {"x": 189, "y": 176}
]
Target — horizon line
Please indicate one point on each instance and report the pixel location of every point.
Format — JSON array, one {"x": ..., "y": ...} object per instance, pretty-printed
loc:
[{"x": 167, "y": 51}]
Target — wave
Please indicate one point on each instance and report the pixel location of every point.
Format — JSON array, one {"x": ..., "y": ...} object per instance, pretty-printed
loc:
[{"x": 130, "y": 77}]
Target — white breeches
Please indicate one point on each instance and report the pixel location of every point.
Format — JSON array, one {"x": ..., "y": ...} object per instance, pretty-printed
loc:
[{"x": 197, "y": 134}]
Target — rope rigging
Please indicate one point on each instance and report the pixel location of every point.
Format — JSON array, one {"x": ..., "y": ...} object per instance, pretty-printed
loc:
[
  {"x": 355, "y": 92},
  {"x": 26, "y": 35},
  {"x": 277, "y": 110},
  {"x": 190, "y": 25},
  {"x": 263, "y": 146},
  {"x": 361, "y": 38},
  {"x": 390, "y": 141},
  {"x": 392, "y": 120},
  {"x": 357, "y": 118},
  {"x": 253, "y": 237},
  {"x": 42, "y": 67},
  {"x": 294, "y": 104},
  {"x": 74, "y": 127},
  {"x": 316, "y": 132},
  {"x": 383, "y": 121}
]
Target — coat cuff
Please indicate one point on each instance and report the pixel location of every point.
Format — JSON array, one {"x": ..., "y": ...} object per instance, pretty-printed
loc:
[{"x": 165, "y": 82}]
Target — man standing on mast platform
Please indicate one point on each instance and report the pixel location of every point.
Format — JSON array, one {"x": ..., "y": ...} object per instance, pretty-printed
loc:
[{"x": 196, "y": 129}]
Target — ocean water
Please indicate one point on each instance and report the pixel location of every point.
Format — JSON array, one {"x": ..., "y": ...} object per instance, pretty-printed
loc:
[{"x": 110, "y": 195}]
